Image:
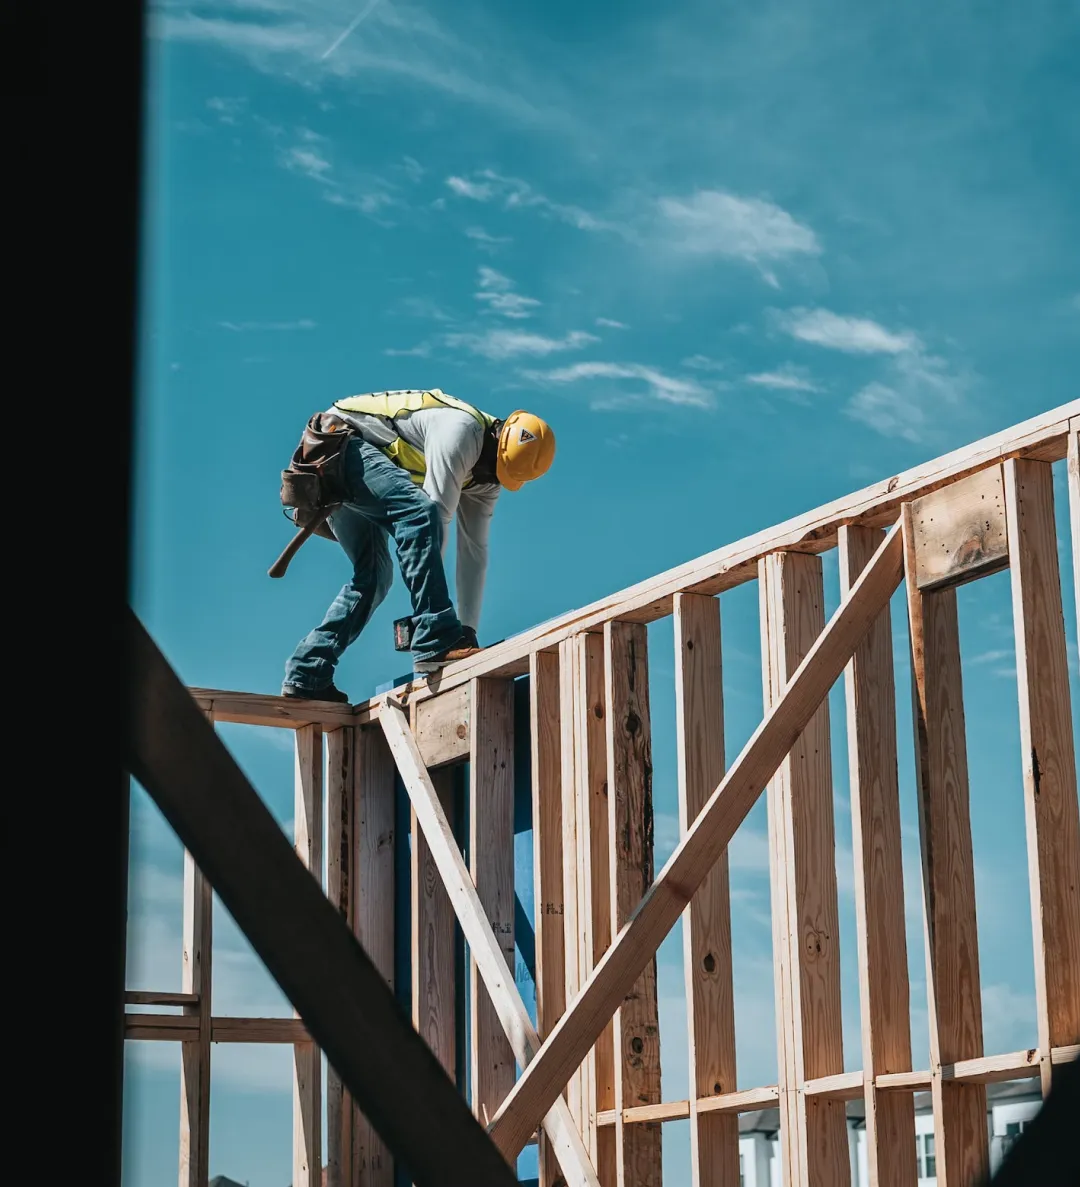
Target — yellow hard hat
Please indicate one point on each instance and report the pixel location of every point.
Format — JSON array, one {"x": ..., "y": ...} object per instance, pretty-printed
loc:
[{"x": 526, "y": 450}]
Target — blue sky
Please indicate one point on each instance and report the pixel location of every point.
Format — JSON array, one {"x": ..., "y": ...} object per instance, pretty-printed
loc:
[{"x": 744, "y": 258}]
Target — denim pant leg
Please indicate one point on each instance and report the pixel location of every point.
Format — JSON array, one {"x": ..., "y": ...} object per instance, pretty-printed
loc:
[
  {"x": 387, "y": 496},
  {"x": 311, "y": 666}
]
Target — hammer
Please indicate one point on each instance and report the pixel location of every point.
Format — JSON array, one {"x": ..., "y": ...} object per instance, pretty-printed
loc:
[{"x": 278, "y": 568}]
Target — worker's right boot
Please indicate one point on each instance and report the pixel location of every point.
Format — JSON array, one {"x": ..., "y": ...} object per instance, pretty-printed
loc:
[{"x": 465, "y": 646}]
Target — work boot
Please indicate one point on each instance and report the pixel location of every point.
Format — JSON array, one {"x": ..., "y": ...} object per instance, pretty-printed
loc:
[
  {"x": 466, "y": 645},
  {"x": 329, "y": 693}
]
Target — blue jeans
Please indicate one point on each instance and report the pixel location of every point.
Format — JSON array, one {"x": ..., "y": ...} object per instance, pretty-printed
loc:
[{"x": 381, "y": 501}]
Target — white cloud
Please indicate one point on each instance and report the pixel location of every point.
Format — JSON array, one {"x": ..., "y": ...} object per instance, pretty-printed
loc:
[
  {"x": 611, "y": 323},
  {"x": 516, "y": 194},
  {"x": 714, "y": 222},
  {"x": 479, "y": 235},
  {"x": 420, "y": 351},
  {"x": 244, "y": 327},
  {"x": 786, "y": 378},
  {"x": 886, "y": 411},
  {"x": 413, "y": 168},
  {"x": 496, "y": 291},
  {"x": 702, "y": 362},
  {"x": 307, "y": 162},
  {"x": 227, "y": 110},
  {"x": 853, "y": 335},
  {"x": 667, "y": 388},
  {"x": 508, "y": 344},
  {"x": 467, "y": 189}
]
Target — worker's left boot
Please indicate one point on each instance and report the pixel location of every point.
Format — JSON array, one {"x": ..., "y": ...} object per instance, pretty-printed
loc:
[{"x": 329, "y": 693}]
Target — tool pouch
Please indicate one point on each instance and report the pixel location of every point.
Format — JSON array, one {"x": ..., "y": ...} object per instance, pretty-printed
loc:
[{"x": 314, "y": 480}]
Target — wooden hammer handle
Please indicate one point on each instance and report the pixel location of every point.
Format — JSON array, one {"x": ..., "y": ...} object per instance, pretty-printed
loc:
[{"x": 279, "y": 567}]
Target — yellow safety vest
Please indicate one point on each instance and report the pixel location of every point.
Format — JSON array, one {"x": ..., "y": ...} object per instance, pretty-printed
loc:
[{"x": 392, "y": 406}]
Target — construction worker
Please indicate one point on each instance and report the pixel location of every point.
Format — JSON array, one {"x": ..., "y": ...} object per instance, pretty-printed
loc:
[{"x": 414, "y": 460}]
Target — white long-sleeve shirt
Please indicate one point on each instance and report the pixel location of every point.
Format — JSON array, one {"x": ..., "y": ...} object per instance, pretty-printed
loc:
[{"x": 451, "y": 441}]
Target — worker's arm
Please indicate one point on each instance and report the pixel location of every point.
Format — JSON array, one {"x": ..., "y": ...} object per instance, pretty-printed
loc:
[
  {"x": 473, "y": 525},
  {"x": 451, "y": 441}
]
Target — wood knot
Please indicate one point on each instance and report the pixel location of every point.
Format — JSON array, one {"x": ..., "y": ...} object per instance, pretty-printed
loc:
[
  {"x": 708, "y": 962},
  {"x": 815, "y": 942},
  {"x": 637, "y": 1046},
  {"x": 462, "y": 730},
  {"x": 633, "y": 723},
  {"x": 598, "y": 711}
]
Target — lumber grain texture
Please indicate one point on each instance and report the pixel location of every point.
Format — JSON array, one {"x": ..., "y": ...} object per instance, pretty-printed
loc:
[
  {"x": 546, "y": 757},
  {"x": 884, "y": 996},
  {"x": 953, "y": 988},
  {"x": 699, "y": 727},
  {"x": 340, "y": 812},
  {"x": 804, "y": 874},
  {"x": 1048, "y": 754},
  {"x": 491, "y": 855},
  {"x": 372, "y": 907},
  {"x": 307, "y": 1061},
  {"x": 630, "y": 844}
]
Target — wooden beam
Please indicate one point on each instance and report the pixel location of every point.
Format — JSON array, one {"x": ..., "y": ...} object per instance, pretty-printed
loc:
[
  {"x": 594, "y": 882},
  {"x": 696, "y": 853},
  {"x": 1049, "y": 758},
  {"x": 491, "y": 857},
  {"x": 307, "y": 1060},
  {"x": 803, "y": 871},
  {"x": 299, "y": 935},
  {"x": 259, "y": 1030},
  {"x": 959, "y": 531},
  {"x": 878, "y": 505},
  {"x": 573, "y": 891},
  {"x": 630, "y": 844},
  {"x": 373, "y": 912},
  {"x": 253, "y": 708},
  {"x": 142, "y": 997},
  {"x": 841, "y": 1086},
  {"x": 340, "y": 872},
  {"x": 749, "y": 1100},
  {"x": 163, "y": 1028},
  {"x": 710, "y": 1003},
  {"x": 954, "y": 1000},
  {"x": 434, "y": 992},
  {"x": 547, "y": 862},
  {"x": 1074, "y": 512},
  {"x": 441, "y": 726},
  {"x": 197, "y": 981},
  {"x": 487, "y": 951},
  {"x": 880, "y": 930}
]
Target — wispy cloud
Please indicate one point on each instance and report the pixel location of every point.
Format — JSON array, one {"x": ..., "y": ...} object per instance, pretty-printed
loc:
[
  {"x": 306, "y": 161},
  {"x": 484, "y": 239},
  {"x": 787, "y": 378},
  {"x": 311, "y": 158},
  {"x": 920, "y": 390},
  {"x": 421, "y": 351},
  {"x": 497, "y": 292},
  {"x": 499, "y": 345},
  {"x": 243, "y": 327},
  {"x": 702, "y": 362},
  {"x": 228, "y": 110},
  {"x": 611, "y": 323},
  {"x": 668, "y": 388},
  {"x": 718, "y": 223},
  {"x": 487, "y": 185},
  {"x": 853, "y": 335},
  {"x": 478, "y": 191}
]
